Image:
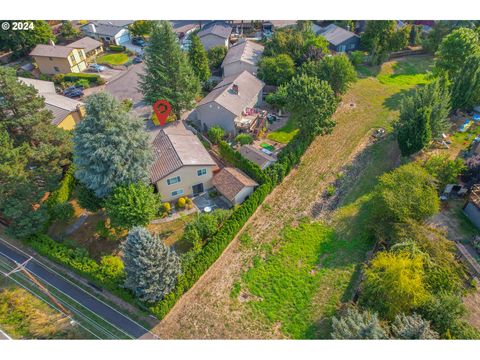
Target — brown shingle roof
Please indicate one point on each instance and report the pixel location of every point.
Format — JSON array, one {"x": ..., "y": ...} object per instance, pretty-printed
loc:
[
  {"x": 86, "y": 43},
  {"x": 175, "y": 147},
  {"x": 248, "y": 85},
  {"x": 230, "y": 181},
  {"x": 56, "y": 51}
]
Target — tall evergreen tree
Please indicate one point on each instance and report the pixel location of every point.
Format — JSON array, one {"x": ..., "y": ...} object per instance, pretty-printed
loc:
[
  {"x": 168, "y": 73},
  {"x": 466, "y": 84},
  {"x": 151, "y": 267},
  {"x": 414, "y": 133},
  {"x": 198, "y": 59},
  {"x": 110, "y": 146}
]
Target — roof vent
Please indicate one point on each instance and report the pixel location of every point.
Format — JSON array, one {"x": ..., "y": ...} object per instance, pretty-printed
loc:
[{"x": 235, "y": 89}]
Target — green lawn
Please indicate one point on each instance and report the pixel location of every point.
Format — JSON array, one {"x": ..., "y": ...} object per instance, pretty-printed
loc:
[
  {"x": 113, "y": 59},
  {"x": 285, "y": 133}
]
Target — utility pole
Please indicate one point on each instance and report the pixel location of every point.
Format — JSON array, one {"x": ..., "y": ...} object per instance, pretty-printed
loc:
[{"x": 21, "y": 267}]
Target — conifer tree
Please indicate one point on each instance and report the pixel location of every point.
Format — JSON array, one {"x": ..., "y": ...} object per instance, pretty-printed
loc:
[
  {"x": 412, "y": 327},
  {"x": 199, "y": 59},
  {"x": 151, "y": 267},
  {"x": 110, "y": 146},
  {"x": 358, "y": 325},
  {"x": 168, "y": 73},
  {"x": 466, "y": 84}
]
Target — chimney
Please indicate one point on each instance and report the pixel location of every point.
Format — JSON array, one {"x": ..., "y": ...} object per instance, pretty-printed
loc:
[
  {"x": 52, "y": 42},
  {"x": 235, "y": 89}
]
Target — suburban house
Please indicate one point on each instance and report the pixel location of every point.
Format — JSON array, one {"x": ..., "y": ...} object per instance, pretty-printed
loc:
[
  {"x": 244, "y": 55},
  {"x": 234, "y": 185},
  {"x": 231, "y": 104},
  {"x": 257, "y": 156},
  {"x": 340, "y": 40},
  {"x": 216, "y": 33},
  {"x": 56, "y": 59},
  {"x": 472, "y": 207},
  {"x": 271, "y": 25},
  {"x": 66, "y": 112},
  {"x": 182, "y": 166},
  {"x": 91, "y": 47},
  {"x": 109, "y": 32}
]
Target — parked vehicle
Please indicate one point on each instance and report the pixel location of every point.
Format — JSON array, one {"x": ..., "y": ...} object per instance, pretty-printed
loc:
[
  {"x": 73, "y": 93},
  {"x": 137, "y": 60},
  {"x": 139, "y": 42},
  {"x": 97, "y": 68}
]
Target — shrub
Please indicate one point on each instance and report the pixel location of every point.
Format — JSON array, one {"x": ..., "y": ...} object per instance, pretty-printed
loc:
[
  {"x": 412, "y": 328},
  {"x": 181, "y": 202},
  {"x": 63, "y": 211},
  {"x": 87, "y": 199},
  {"x": 244, "y": 139},
  {"x": 84, "y": 83},
  {"x": 91, "y": 78},
  {"x": 216, "y": 134},
  {"x": 64, "y": 191},
  {"x": 358, "y": 325},
  {"x": 357, "y": 57},
  {"x": 166, "y": 207},
  {"x": 444, "y": 170},
  {"x": 116, "y": 48}
]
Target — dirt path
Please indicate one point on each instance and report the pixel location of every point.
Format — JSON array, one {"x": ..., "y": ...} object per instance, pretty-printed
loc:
[{"x": 207, "y": 311}]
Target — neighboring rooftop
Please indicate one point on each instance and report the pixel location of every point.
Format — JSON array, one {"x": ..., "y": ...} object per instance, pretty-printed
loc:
[
  {"x": 56, "y": 51},
  {"x": 244, "y": 50},
  {"x": 280, "y": 23},
  {"x": 175, "y": 147},
  {"x": 335, "y": 34},
  {"x": 235, "y": 102},
  {"x": 86, "y": 43},
  {"x": 256, "y": 156},
  {"x": 59, "y": 105},
  {"x": 230, "y": 181},
  {"x": 105, "y": 29},
  {"x": 218, "y": 28},
  {"x": 120, "y": 23}
]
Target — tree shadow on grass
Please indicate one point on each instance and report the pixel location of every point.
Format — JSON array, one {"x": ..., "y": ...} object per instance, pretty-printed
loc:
[{"x": 393, "y": 102}]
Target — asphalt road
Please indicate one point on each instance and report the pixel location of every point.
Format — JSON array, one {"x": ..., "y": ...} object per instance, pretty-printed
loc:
[{"x": 97, "y": 306}]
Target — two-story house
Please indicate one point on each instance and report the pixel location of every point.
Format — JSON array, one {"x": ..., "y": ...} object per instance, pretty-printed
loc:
[
  {"x": 55, "y": 59},
  {"x": 244, "y": 55},
  {"x": 182, "y": 166},
  {"x": 216, "y": 33}
]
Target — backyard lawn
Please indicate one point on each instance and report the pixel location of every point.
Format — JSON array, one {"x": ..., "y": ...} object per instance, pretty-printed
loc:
[
  {"x": 285, "y": 133},
  {"x": 242, "y": 295},
  {"x": 113, "y": 59}
]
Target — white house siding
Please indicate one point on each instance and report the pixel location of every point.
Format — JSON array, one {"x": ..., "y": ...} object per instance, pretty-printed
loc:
[
  {"x": 122, "y": 37},
  {"x": 211, "y": 40},
  {"x": 239, "y": 66},
  {"x": 188, "y": 178},
  {"x": 213, "y": 114},
  {"x": 243, "y": 194}
]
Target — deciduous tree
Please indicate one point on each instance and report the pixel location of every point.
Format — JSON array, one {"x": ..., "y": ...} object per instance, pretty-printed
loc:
[
  {"x": 276, "y": 70},
  {"x": 21, "y": 42},
  {"x": 216, "y": 55}
]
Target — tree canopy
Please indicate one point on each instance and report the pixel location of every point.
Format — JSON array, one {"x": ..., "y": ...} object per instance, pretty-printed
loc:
[
  {"x": 466, "y": 84},
  {"x": 110, "y": 146},
  {"x": 21, "y": 42},
  {"x": 141, "y": 27},
  {"x": 132, "y": 205},
  {"x": 198, "y": 59},
  {"x": 276, "y": 70},
  {"x": 151, "y": 267},
  {"x": 168, "y": 73},
  {"x": 216, "y": 55}
]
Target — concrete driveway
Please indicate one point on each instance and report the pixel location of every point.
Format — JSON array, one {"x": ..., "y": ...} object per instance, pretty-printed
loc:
[{"x": 125, "y": 87}]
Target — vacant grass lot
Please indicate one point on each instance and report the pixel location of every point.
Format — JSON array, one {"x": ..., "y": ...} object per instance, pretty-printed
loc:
[
  {"x": 245, "y": 294},
  {"x": 113, "y": 59}
]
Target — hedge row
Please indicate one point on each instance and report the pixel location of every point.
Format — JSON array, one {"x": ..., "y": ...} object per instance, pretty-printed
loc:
[
  {"x": 116, "y": 48},
  {"x": 79, "y": 260},
  {"x": 211, "y": 251},
  {"x": 91, "y": 78},
  {"x": 236, "y": 159}
]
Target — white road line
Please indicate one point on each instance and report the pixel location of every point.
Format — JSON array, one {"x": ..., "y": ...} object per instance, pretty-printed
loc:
[{"x": 55, "y": 272}]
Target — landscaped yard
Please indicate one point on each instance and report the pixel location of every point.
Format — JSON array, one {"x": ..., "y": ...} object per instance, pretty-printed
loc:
[
  {"x": 285, "y": 133},
  {"x": 215, "y": 307},
  {"x": 113, "y": 59}
]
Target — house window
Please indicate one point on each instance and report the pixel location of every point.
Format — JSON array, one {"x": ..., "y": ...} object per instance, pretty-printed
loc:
[
  {"x": 56, "y": 68},
  {"x": 173, "y": 180},
  {"x": 201, "y": 172},
  {"x": 177, "y": 192},
  {"x": 72, "y": 58}
]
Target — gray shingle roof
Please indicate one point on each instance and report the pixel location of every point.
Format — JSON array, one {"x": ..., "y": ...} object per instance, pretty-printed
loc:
[
  {"x": 336, "y": 35},
  {"x": 175, "y": 147},
  {"x": 104, "y": 29},
  {"x": 216, "y": 28},
  {"x": 248, "y": 85},
  {"x": 256, "y": 156},
  {"x": 230, "y": 181},
  {"x": 56, "y": 51},
  {"x": 247, "y": 51},
  {"x": 86, "y": 43}
]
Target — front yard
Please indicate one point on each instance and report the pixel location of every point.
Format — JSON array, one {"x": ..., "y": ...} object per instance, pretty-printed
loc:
[{"x": 113, "y": 59}]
